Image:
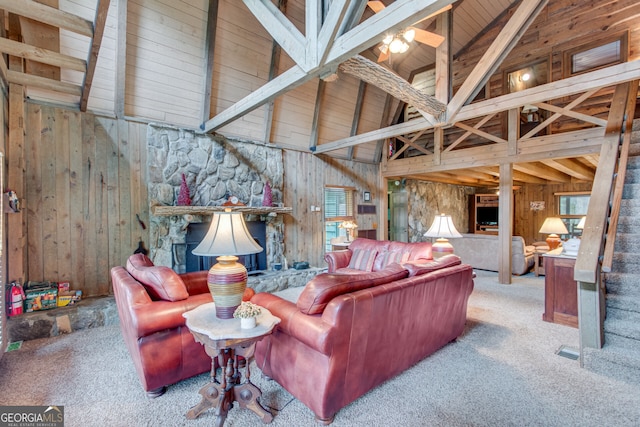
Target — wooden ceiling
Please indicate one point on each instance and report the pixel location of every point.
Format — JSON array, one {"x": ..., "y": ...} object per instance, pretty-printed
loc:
[{"x": 35, "y": 33}]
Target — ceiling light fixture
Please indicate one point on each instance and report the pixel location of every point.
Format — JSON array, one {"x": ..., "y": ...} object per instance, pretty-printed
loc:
[{"x": 398, "y": 43}]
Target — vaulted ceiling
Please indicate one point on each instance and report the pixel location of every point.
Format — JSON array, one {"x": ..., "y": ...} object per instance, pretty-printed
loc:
[{"x": 52, "y": 48}]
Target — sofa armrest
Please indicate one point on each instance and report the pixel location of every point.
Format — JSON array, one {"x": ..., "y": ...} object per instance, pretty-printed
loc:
[
  {"x": 196, "y": 282},
  {"x": 156, "y": 316},
  {"x": 310, "y": 330},
  {"x": 337, "y": 259}
]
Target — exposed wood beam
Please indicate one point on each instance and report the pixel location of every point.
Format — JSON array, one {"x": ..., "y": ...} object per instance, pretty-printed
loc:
[
  {"x": 537, "y": 169},
  {"x": 332, "y": 27},
  {"x": 391, "y": 83},
  {"x": 121, "y": 59},
  {"x": 43, "y": 83},
  {"x": 495, "y": 54},
  {"x": 44, "y": 56},
  {"x": 4, "y": 70},
  {"x": 558, "y": 114},
  {"x": 48, "y": 15},
  {"x": 101, "y": 17},
  {"x": 572, "y": 168},
  {"x": 273, "y": 69},
  {"x": 570, "y": 144},
  {"x": 356, "y": 115},
  {"x": 615, "y": 74},
  {"x": 398, "y": 15},
  {"x": 313, "y": 139},
  {"x": 281, "y": 29},
  {"x": 481, "y": 133},
  {"x": 210, "y": 49}
]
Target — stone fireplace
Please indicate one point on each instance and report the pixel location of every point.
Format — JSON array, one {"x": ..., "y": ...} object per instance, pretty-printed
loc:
[{"x": 215, "y": 169}]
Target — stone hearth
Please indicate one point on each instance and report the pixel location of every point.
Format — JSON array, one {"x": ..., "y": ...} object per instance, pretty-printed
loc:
[{"x": 215, "y": 169}]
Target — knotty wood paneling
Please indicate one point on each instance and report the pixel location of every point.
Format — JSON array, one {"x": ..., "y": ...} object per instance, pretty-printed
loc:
[
  {"x": 562, "y": 26},
  {"x": 528, "y": 222},
  {"x": 85, "y": 180},
  {"x": 305, "y": 177}
]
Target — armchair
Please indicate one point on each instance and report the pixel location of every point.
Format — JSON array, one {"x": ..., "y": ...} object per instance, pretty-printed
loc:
[{"x": 151, "y": 300}]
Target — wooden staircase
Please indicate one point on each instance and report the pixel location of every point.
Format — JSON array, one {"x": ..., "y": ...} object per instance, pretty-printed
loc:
[{"x": 620, "y": 355}]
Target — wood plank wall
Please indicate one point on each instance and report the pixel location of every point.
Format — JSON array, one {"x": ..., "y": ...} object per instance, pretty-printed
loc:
[
  {"x": 305, "y": 177},
  {"x": 562, "y": 26},
  {"x": 85, "y": 180},
  {"x": 528, "y": 222}
]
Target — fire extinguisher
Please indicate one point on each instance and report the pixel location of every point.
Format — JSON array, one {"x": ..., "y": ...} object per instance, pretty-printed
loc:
[{"x": 15, "y": 297}]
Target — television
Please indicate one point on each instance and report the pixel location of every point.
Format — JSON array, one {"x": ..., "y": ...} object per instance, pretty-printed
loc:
[{"x": 487, "y": 215}]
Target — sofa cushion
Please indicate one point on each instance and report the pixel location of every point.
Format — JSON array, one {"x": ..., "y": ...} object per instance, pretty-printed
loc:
[
  {"x": 420, "y": 267},
  {"x": 326, "y": 286},
  {"x": 162, "y": 283},
  {"x": 362, "y": 259}
]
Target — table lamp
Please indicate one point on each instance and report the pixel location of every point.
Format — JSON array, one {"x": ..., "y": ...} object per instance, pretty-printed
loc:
[
  {"x": 227, "y": 237},
  {"x": 581, "y": 223},
  {"x": 348, "y": 225},
  {"x": 442, "y": 229},
  {"x": 553, "y": 226}
]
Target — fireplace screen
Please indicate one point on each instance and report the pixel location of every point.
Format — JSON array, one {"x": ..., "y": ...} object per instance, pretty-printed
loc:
[{"x": 184, "y": 261}]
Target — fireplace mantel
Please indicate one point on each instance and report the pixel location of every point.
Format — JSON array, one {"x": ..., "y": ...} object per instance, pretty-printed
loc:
[{"x": 162, "y": 210}]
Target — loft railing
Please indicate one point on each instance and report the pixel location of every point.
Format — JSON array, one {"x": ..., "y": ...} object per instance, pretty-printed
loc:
[{"x": 598, "y": 236}]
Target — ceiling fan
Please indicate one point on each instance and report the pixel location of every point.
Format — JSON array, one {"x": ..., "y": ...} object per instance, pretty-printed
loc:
[{"x": 399, "y": 42}]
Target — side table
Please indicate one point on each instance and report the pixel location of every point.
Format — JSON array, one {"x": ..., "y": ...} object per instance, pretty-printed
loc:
[
  {"x": 224, "y": 340},
  {"x": 538, "y": 264}
]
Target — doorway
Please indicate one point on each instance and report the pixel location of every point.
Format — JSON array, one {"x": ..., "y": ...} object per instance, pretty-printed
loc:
[{"x": 398, "y": 212}]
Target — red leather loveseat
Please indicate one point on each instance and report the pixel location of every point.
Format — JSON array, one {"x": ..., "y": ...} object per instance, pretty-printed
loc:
[
  {"x": 150, "y": 301},
  {"x": 352, "y": 330}
]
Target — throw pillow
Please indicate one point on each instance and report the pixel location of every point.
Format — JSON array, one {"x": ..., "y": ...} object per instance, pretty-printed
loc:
[
  {"x": 162, "y": 283},
  {"x": 362, "y": 259},
  {"x": 387, "y": 258}
]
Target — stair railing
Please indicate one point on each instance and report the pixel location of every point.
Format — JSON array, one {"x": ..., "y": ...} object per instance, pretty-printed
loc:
[{"x": 598, "y": 236}]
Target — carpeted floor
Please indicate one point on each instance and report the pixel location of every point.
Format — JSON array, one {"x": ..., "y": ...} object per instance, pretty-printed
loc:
[{"x": 503, "y": 371}]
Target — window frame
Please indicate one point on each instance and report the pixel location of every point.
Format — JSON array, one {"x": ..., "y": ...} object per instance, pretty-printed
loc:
[
  {"x": 333, "y": 221},
  {"x": 623, "y": 38},
  {"x": 571, "y": 220}
]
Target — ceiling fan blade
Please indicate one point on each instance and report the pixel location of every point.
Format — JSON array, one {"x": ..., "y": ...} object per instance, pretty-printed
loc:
[
  {"x": 425, "y": 37},
  {"x": 384, "y": 55},
  {"x": 376, "y": 6},
  {"x": 434, "y": 14}
]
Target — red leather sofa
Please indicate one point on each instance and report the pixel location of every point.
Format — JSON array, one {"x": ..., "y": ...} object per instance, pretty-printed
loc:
[
  {"x": 351, "y": 331},
  {"x": 150, "y": 301}
]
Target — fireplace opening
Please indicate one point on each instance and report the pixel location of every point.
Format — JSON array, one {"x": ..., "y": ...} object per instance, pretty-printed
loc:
[{"x": 184, "y": 261}]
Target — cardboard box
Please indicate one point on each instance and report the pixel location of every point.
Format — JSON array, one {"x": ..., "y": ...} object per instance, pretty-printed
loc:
[
  {"x": 66, "y": 298},
  {"x": 63, "y": 287},
  {"x": 40, "y": 296}
]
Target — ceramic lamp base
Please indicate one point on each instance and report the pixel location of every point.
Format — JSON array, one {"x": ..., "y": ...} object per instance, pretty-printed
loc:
[
  {"x": 441, "y": 248},
  {"x": 553, "y": 241},
  {"x": 227, "y": 282}
]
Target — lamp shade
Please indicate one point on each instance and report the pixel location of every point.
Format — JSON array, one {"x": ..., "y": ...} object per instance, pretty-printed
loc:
[
  {"x": 581, "y": 223},
  {"x": 553, "y": 226},
  {"x": 227, "y": 237},
  {"x": 442, "y": 229}
]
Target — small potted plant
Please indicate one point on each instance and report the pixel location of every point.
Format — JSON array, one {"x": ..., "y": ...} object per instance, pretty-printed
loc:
[{"x": 247, "y": 313}]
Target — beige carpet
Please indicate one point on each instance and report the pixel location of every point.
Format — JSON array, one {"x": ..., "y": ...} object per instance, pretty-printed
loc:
[{"x": 503, "y": 371}]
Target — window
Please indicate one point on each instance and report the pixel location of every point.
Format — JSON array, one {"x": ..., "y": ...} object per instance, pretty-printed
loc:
[
  {"x": 596, "y": 55},
  {"x": 571, "y": 208},
  {"x": 338, "y": 207}
]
